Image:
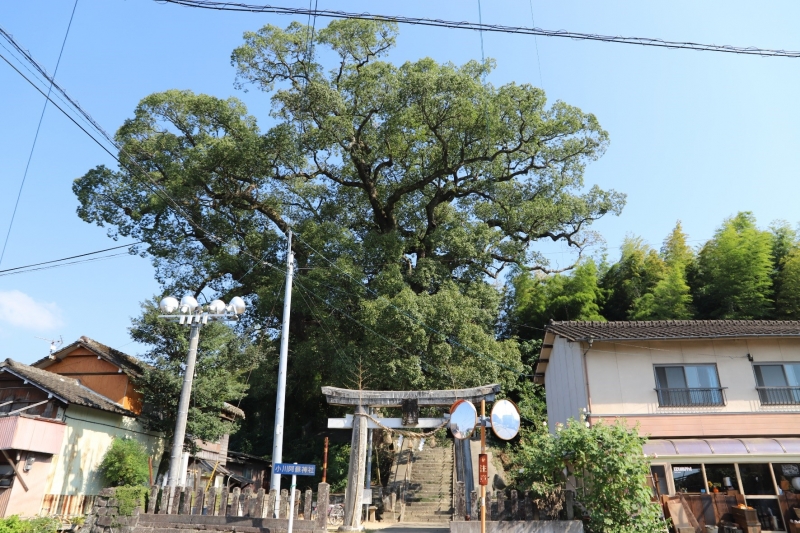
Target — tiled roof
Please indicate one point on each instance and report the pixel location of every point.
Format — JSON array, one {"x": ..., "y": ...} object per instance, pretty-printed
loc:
[
  {"x": 673, "y": 329},
  {"x": 64, "y": 388},
  {"x": 127, "y": 363}
]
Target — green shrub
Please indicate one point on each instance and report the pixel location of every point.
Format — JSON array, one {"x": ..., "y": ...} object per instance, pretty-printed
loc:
[
  {"x": 609, "y": 468},
  {"x": 15, "y": 524},
  {"x": 131, "y": 497},
  {"x": 125, "y": 463}
]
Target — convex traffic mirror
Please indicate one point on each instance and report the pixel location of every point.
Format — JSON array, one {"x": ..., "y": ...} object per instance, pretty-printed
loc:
[
  {"x": 463, "y": 418},
  {"x": 505, "y": 419}
]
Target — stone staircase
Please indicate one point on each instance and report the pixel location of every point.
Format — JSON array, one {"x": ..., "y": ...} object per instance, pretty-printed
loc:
[{"x": 423, "y": 482}]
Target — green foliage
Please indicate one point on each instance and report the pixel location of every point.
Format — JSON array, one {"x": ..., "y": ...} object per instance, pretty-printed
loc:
[
  {"x": 732, "y": 275},
  {"x": 609, "y": 467},
  {"x": 787, "y": 299},
  {"x": 669, "y": 299},
  {"x": 419, "y": 182},
  {"x": 125, "y": 463},
  {"x": 636, "y": 273},
  {"x": 338, "y": 465},
  {"x": 41, "y": 524},
  {"x": 223, "y": 361},
  {"x": 131, "y": 497},
  {"x": 675, "y": 252},
  {"x": 539, "y": 299}
]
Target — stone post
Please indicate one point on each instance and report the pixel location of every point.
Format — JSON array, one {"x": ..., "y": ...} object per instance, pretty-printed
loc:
[
  {"x": 322, "y": 507},
  {"x": 461, "y": 502},
  {"x": 307, "y": 505},
  {"x": 355, "y": 479}
]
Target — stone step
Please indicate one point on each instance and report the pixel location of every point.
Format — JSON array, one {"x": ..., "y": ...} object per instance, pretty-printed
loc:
[{"x": 427, "y": 506}]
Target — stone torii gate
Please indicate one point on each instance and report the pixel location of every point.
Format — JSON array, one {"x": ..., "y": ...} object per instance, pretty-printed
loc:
[{"x": 361, "y": 400}]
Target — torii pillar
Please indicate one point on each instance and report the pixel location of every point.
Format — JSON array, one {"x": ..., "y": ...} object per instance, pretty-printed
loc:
[{"x": 361, "y": 400}]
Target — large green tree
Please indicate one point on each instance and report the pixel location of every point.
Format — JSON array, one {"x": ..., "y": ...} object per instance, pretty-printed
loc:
[
  {"x": 537, "y": 299},
  {"x": 731, "y": 278},
  {"x": 410, "y": 189},
  {"x": 669, "y": 298},
  {"x": 635, "y": 274}
]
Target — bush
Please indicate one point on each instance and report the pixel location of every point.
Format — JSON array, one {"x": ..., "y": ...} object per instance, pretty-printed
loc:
[
  {"x": 609, "y": 467},
  {"x": 125, "y": 463},
  {"x": 15, "y": 524},
  {"x": 131, "y": 497}
]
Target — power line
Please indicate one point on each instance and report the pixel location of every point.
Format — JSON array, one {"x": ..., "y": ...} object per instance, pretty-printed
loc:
[
  {"x": 153, "y": 185},
  {"x": 536, "y": 45},
  {"x": 103, "y": 258},
  {"x": 497, "y": 28},
  {"x": 71, "y": 257},
  {"x": 36, "y": 136}
]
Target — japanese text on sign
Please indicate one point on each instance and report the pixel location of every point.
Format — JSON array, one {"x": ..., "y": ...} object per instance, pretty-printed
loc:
[
  {"x": 483, "y": 469},
  {"x": 290, "y": 469}
]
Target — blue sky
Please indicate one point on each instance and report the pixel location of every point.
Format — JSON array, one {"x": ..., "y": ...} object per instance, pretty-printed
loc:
[{"x": 695, "y": 136}]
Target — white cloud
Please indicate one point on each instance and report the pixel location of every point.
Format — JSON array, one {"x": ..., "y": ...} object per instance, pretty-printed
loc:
[{"x": 20, "y": 310}]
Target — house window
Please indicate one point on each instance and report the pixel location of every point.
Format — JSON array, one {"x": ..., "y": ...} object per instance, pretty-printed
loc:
[
  {"x": 688, "y": 478},
  {"x": 688, "y": 386},
  {"x": 778, "y": 384}
]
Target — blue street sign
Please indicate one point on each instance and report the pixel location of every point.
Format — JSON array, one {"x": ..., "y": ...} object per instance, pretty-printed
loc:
[{"x": 290, "y": 469}]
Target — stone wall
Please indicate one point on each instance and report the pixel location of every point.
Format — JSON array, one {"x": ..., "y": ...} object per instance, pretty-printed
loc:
[{"x": 106, "y": 518}]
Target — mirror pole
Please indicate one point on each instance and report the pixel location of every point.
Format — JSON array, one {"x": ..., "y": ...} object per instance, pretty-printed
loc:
[{"x": 483, "y": 450}]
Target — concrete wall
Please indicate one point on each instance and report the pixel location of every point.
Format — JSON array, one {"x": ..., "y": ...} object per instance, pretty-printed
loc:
[
  {"x": 88, "y": 437},
  {"x": 565, "y": 383},
  {"x": 622, "y": 383}
]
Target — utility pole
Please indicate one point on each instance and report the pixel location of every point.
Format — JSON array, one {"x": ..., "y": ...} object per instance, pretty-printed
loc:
[
  {"x": 277, "y": 442},
  {"x": 183, "y": 409},
  {"x": 192, "y": 314},
  {"x": 483, "y": 459}
]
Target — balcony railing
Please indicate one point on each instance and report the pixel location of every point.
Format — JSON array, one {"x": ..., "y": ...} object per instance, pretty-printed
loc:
[
  {"x": 779, "y": 395},
  {"x": 708, "y": 397}
]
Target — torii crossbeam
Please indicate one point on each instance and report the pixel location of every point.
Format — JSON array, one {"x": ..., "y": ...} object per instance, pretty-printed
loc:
[{"x": 363, "y": 399}]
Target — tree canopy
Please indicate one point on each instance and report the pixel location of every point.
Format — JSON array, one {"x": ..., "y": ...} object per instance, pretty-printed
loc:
[
  {"x": 410, "y": 189},
  {"x": 742, "y": 272}
]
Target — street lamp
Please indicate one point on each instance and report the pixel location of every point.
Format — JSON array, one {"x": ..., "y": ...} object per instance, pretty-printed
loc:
[{"x": 192, "y": 314}]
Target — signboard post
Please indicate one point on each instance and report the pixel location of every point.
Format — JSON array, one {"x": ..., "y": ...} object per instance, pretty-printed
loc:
[
  {"x": 294, "y": 470},
  {"x": 483, "y": 469}
]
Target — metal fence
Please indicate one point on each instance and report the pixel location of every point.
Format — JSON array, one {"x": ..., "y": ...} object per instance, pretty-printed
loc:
[
  {"x": 694, "y": 397},
  {"x": 779, "y": 395}
]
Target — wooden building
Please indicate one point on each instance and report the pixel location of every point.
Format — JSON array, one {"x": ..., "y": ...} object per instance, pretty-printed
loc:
[
  {"x": 105, "y": 370},
  {"x": 53, "y": 435},
  {"x": 719, "y": 400}
]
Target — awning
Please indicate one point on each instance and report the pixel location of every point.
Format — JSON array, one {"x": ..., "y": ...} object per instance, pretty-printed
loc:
[{"x": 748, "y": 446}]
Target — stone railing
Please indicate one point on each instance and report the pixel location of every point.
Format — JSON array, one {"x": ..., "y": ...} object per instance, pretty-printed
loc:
[
  {"x": 502, "y": 505},
  {"x": 216, "y": 510}
]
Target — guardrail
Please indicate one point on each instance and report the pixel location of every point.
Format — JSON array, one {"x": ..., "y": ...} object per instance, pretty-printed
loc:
[{"x": 691, "y": 397}]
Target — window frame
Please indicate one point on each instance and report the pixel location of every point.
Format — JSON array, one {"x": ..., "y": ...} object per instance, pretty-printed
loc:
[
  {"x": 792, "y": 391},
  {"x": 720, "y": 389}
]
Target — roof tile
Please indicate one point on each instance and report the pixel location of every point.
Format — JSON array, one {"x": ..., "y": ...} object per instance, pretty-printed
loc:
[{"x": 673, "y": 329}]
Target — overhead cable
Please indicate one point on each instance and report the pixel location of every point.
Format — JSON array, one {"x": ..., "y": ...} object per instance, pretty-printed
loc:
[
  {"x": 477, "y": 26},
  {"x": 36, "y": 136},
  {"x": 59, "y": 265},
  {"x": 70, "y": 257}
]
